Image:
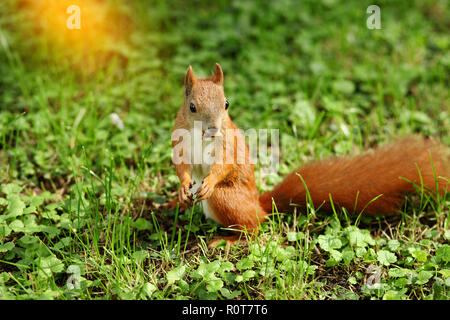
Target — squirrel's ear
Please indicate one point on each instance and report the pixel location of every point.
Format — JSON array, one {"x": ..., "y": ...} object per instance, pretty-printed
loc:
[
  {"x": 218, "y": 76},
  {"x": 189, "y": 80}
]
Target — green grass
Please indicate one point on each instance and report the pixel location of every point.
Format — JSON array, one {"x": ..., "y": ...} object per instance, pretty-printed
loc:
[{"x": 77, "y": 193}]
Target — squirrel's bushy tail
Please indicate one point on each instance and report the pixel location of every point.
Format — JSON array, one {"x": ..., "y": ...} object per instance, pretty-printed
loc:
[{"x": 354, "y": 182}]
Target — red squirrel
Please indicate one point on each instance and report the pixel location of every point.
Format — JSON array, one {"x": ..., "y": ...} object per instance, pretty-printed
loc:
[{"x": 227, "y": 190}]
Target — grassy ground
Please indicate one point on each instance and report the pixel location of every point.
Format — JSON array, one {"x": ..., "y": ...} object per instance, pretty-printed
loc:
[{"x": 80, "y": 213}]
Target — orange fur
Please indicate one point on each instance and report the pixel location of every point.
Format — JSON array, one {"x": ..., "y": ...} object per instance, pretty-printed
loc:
[
  {"x": 354, "y": 182},
  {"x": 229, "y": 191}
]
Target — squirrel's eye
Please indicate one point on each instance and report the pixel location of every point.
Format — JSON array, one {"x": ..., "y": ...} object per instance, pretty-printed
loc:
[
  {"x": 227, "y": 104},
  {"x": 192, "y": 107}
]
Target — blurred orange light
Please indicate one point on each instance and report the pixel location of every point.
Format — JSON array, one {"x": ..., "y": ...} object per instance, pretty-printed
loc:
[{"x": 102, "y": 28}]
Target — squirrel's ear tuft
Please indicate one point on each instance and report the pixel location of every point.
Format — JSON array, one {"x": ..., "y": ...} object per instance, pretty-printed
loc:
[
  {"x": 189, "y": 80},
  {"x": 218, "y": 76}
]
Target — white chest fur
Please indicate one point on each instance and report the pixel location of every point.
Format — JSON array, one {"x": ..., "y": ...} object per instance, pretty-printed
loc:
[{"x": 201, "y": 165}]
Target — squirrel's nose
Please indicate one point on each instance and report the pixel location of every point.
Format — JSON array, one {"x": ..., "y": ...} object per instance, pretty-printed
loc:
[{"x": 212, "y": 132}]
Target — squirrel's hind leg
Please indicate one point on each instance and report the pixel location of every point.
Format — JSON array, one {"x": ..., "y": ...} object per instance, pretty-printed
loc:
[
  {"x": 237, "y": 237},
  {"x": 229, "y": 241}
]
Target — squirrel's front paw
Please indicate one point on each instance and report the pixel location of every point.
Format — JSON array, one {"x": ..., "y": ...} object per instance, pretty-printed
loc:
[
  {"x": 205, "y": 190},
  {"x": 184, "y": 194}
]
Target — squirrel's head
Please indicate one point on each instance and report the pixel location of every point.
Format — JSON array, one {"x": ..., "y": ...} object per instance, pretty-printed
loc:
[{"x": 205, "y": 101}]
